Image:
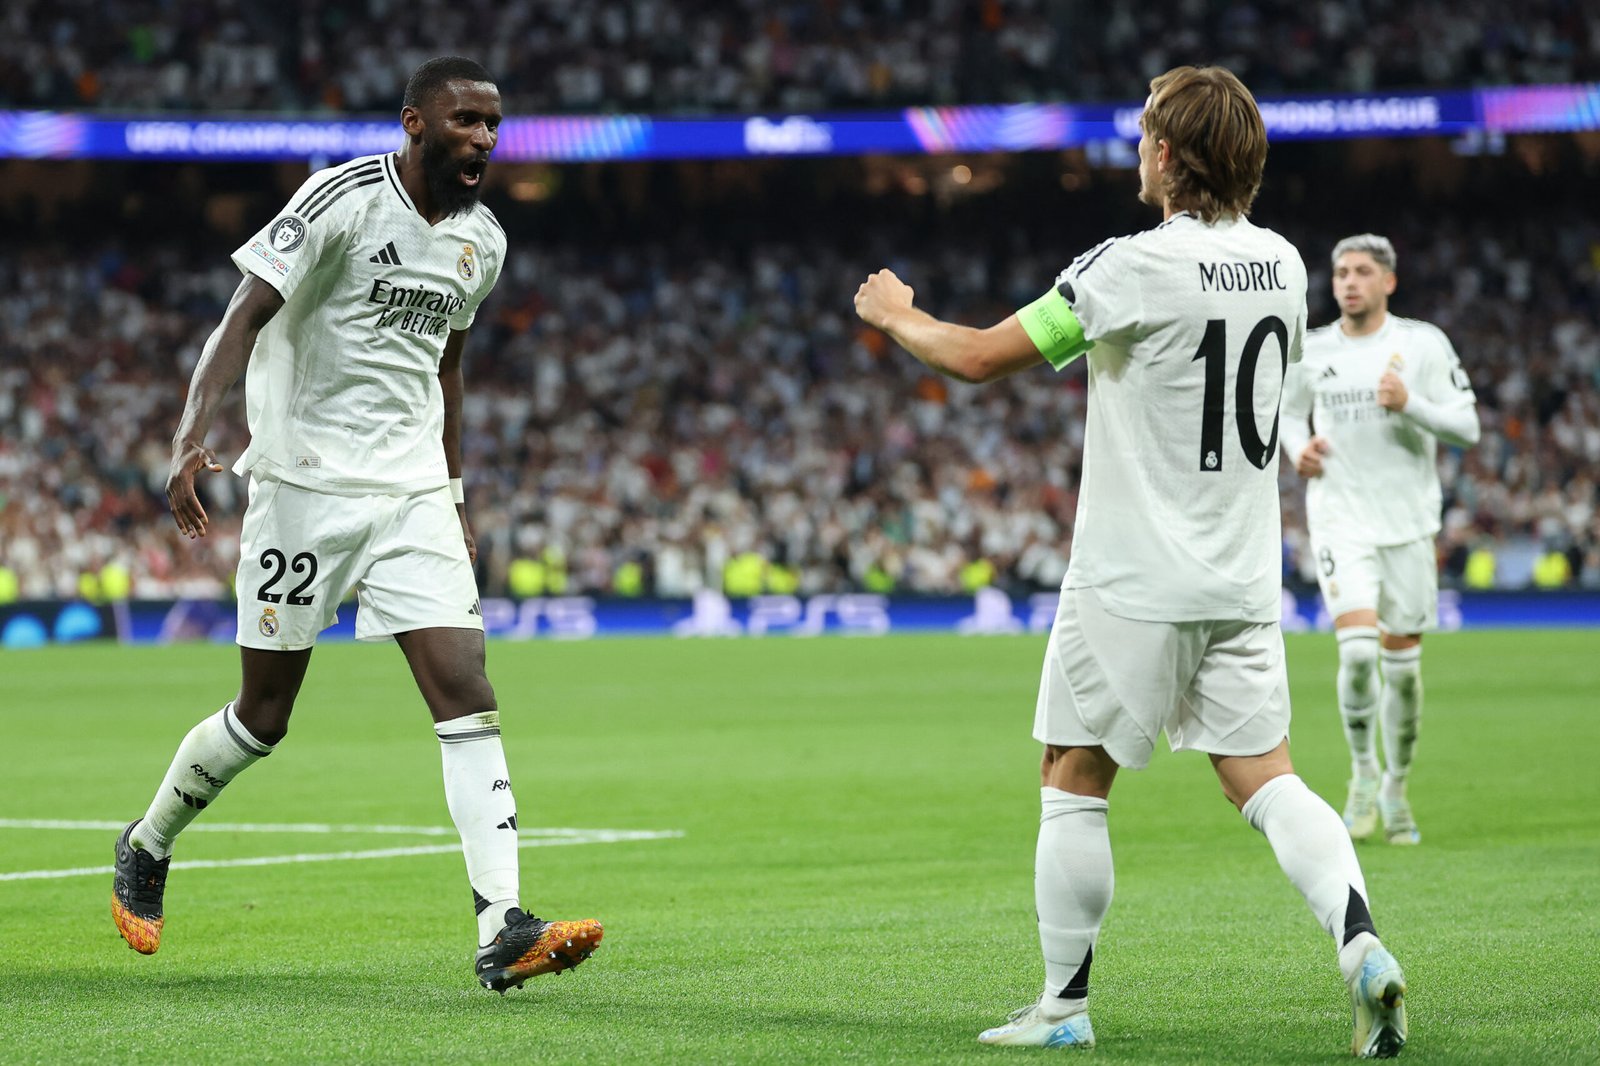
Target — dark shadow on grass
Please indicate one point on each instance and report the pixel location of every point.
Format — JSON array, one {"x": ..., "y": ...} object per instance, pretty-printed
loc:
[{"x": 246, "y": 991}]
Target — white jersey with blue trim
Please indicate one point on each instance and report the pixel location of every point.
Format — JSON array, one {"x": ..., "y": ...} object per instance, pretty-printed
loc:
[
  {"x": 1193, "y": 325},
  {"x": 342, "y": 392},
  {"x": 1380, "y": 482}
]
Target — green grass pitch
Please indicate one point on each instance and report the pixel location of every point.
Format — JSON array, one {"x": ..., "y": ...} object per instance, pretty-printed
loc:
[{"x": 853, "y": 882}]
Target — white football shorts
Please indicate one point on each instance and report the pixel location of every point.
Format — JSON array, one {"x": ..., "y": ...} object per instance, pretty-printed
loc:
[
  {"x": 1219, "y": 687},
  {"x": 1399, "y": 581},
  {"x": 301, "y": 552}
]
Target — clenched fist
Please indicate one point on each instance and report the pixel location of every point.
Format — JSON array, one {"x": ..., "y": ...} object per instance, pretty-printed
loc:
[
  {"x": 1392, "y": 392},
  {"x": 882, "y": 296},
  {"x": 1309, "y": 462}
]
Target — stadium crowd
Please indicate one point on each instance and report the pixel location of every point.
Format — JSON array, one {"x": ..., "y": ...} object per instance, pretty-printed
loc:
[
  {"x": 655, "y": 415},
  {"x": 683, "y": 55}
]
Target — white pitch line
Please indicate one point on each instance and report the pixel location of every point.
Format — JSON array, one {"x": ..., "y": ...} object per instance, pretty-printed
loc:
[
  {"x": 593, "y": 836},
  {"x": 282, "y": 827}
]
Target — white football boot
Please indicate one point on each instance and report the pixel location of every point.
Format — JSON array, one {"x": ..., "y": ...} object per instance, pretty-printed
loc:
[
  {"x": 1378, "y": 1001},
  {"x": 1361, "y": 808},
  {"x": 1030, "y": 1027}
]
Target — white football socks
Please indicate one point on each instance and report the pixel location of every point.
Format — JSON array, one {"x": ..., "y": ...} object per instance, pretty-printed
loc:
[
  {"x": 1313, "y": 848},
  {"x": 1400, "y": 710},
  {"x": 477, "y": 788},
  {"x": 1072, "y": 884},
  {"x": 1358, "y": 696},
  {"x": 212, "y": 754}
]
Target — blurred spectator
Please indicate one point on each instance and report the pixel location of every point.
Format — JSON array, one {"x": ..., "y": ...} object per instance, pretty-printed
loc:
[
  {"x": 668, "y": 416},
  {"x": 689, "y": 55}
]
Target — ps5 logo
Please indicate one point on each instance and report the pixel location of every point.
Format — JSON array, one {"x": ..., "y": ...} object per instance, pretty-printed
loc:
[{"x": 795, "y": 135}]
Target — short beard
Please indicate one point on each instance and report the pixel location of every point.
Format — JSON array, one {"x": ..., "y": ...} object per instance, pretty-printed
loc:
[{"x": 442, "y": 172}]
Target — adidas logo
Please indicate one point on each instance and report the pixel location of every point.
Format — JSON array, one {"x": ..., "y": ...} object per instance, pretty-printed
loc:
[
  {"x": 1329, "y": 373},
  {"x": 386, "y": 255},
  {"x": 193, "y": 801},
  {"x": 509, "y": 823},
  {"x": 475, "y": 609}
]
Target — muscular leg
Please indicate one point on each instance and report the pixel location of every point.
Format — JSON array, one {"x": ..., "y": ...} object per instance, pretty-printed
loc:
[
  {"x": 269, "y": 685},
  {"x": 448, "y": 665},
  {"x": 1081, "y": 771},
  {"x": 1072, "y": 870},
  {"x": 224, "y": 745},
  {"x": 1309, "y": 840}
]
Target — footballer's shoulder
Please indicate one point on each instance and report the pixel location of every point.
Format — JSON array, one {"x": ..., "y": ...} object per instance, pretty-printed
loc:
[
  {"x": 492, "y": 229},
  {"x": 1322, "y": 337},
  {"x": 334, "y": 187},
  {"x": 1418, "y": 327},
  {"x": 1094, "y": 255},
  {"x": 1425, "y": 335}
]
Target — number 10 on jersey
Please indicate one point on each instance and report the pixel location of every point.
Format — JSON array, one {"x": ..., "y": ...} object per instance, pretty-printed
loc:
[{"x": 1214, "y": 350}]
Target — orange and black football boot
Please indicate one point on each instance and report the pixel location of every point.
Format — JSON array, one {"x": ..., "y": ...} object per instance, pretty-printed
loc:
[
  {"x": 136, "y": 890},
  {"x": 529, "y": 946}
]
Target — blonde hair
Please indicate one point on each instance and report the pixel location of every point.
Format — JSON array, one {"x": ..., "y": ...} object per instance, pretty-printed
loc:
[{"x": 1218, "y": 141}]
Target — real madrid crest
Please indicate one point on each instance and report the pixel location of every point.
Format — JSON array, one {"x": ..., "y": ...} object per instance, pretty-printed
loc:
[
  {"x": 1396, "y": 363},
  {"x": 269, "y": 622},
  {"x": 467, "y": 266}
]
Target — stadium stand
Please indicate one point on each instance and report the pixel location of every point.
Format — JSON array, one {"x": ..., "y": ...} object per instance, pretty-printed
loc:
[
  {"x": 684, "y": 55},
  {"x": 659, "y": 403}
]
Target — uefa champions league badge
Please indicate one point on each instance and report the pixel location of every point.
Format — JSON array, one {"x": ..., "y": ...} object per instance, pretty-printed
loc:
[
  {"x": 466, "y": 266},
  {"x": 287, "y": 234},
  {"x": 269, "y": 622}
]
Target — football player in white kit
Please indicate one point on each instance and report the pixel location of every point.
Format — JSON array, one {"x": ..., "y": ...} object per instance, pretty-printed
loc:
[
  {"x": 1381, "y": 391},
  {"x": 352, "y": 316},
  {"x": 1168, "y": 618}
]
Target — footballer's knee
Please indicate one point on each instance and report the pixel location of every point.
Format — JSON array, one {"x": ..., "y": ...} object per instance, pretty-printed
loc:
[
  {"x": 1079, "y": 770},
  {"x": 1241, "y": 776},
  {"x": 461, "y": 695},
  {"x": 266, "y": 716}
]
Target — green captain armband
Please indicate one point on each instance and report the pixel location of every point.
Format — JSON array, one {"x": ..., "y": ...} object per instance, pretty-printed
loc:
[{"x": 1053, "y": 326}]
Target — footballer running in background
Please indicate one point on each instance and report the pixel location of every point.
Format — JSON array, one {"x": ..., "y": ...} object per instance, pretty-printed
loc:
[
  {"x": 352, "y": 316},
  {"x": 1168, "y": 617},
  {"x": 1381, "y": 392}
]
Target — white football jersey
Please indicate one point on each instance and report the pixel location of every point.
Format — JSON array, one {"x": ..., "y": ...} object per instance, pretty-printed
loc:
[
  {"x": 342, "y": 392},
  {"x": 1193, "y": 326},
  {"x": 1379, "y": 484}
]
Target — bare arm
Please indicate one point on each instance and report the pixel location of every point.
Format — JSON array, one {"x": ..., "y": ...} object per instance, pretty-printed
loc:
[
  {"x": 453, "y": 384},
  {"x": 226, "y": 353},
  {"x": 961, "y": 352}
]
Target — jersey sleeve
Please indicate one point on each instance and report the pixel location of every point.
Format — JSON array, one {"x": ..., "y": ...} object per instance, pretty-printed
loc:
[
  {"x": 1295, "y": 413},
  {"x": 287, "y": 250},
  {"x": 1297, "y": 331},
  {"x": 493, "y": 257},
  {"x": 1441, "y": 399},
  {"x": 1442, "y": 379},
  {"x": 1104, "y": 290}
]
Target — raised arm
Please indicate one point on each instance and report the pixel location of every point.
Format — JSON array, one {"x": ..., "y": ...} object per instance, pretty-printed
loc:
[
  {"x": 960, "y": 352},
  {"x": 223, "y": 359},
  {"x": 453, "y": 384},
  {"x": 1442, "y": 402}
]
